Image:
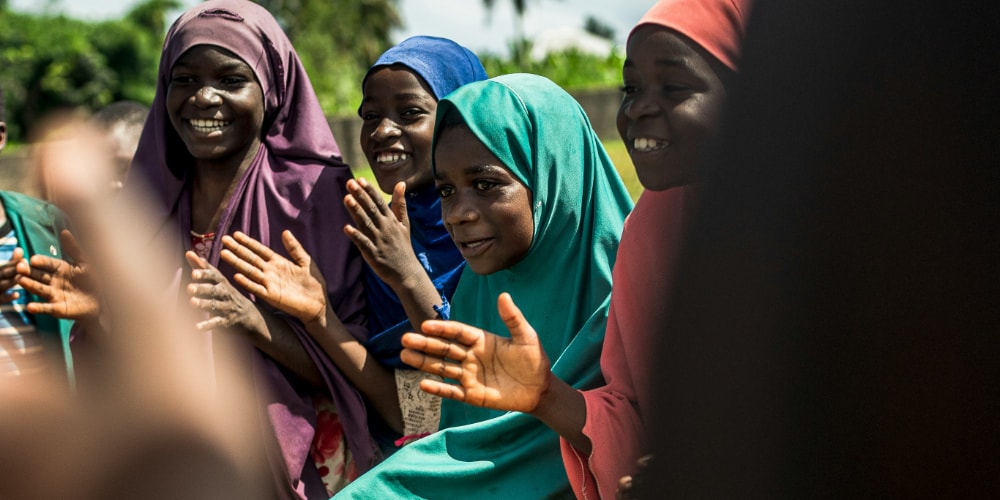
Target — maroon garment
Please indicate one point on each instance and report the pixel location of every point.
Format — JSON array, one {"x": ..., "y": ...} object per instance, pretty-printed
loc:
[{"x": 297, "y": 182}]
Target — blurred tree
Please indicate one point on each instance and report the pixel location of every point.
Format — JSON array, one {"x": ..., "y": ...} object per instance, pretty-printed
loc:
[
  {"x": 596, "y": 27},
  {"x": 50, "y": 62},
  {"x": 337, "y": 42}
]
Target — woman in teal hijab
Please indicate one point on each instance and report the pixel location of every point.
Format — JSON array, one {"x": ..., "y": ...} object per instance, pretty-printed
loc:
[{"x": 562, "y": 281}]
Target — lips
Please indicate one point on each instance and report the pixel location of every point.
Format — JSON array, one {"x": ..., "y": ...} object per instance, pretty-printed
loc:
[
  {"x": 474, "y": 247},
  {"x": 209, "y": 125},
  {"x": 390, "y": 158},
  {"x": 647, "y": 144}
]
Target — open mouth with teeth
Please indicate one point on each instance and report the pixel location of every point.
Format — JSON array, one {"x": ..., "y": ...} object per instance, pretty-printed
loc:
[
  {"x": 644, "y": 144},
  {"x": 473, "y": 247},
  {"x": 208, "y": 125},
  {"x": 391, "y": 157}
]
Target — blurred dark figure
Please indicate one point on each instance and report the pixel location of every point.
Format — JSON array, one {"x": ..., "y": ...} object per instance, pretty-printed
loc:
[
  {"x": 835, "y": 326},
  {"x": 122, "y": 121}
]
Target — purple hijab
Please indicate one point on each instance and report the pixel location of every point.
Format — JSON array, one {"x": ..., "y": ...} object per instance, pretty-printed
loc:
[{"x": 297, "y": 182}]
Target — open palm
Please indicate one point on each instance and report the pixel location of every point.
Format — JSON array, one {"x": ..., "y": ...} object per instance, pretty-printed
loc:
[
  {"x": 295, "y": 287},
  {"x": 68, "y": 289},
  {"x": 496, "y": 372}
]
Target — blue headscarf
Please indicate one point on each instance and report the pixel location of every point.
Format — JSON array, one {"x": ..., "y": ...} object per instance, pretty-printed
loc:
[{"x": 444, "y": 65}]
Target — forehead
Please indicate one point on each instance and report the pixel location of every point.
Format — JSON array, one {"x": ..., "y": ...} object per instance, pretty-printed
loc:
[
  {"x": 211, "y": 56},
  {"x": 396, "y": 80},
  {"x": 661, "y": 45},
  {"x": 462, "y": 152}
]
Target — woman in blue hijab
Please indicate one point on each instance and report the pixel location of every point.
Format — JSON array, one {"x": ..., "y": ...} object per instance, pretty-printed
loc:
[{"x": 401, "y": 91}]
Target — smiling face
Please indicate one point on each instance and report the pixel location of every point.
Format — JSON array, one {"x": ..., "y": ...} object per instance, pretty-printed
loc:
[
  {"x": 673, "y": 100},
  {"x": 216, "y": 106},
  {"x": 398, "y": 112},
  {"x": 486, "y": 210}
]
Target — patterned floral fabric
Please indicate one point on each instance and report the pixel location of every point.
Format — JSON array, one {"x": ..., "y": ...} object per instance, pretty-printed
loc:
[{"x": 329, "y": 447}]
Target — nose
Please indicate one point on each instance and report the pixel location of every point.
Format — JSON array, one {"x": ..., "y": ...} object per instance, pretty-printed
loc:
[
  {"x": 638, "y": 105},
  {"x": 386, "y": 129},
  {"x": 207, "y": 96},
  {"x": 455, "y": 211}
]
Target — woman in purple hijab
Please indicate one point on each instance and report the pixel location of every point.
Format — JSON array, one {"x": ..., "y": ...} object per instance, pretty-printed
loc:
[{"x": 236, "y": 141}]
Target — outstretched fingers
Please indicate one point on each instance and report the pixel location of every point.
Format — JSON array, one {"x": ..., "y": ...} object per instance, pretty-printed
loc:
[
  {"x": 436, "y": 346},
  {"x": 521, "y": 332},
  {"x": 443, "y": 389},
  {"x": 399, "y": 204},
  {"x": 453, "y": 331},
  {"x": 431, "y": 364},
  {"x": 295, "y": 249}
]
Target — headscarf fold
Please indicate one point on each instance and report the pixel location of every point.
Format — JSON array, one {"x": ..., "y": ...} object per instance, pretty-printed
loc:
[
  {"x": 562, "y": 286},
  {"x": 718, "y": 26},
  {"x": 646, "y": 267},
  {"x": 444, "y": 65},
  {"x": 297, "y": 182}
]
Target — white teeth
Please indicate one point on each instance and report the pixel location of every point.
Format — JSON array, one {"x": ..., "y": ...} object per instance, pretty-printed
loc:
[
  {"x": 208, "y": 125},
  {"x": 475, "y": 244},
  {"x": 647, "y": 144},
  {"x": 389, "y": 157}
]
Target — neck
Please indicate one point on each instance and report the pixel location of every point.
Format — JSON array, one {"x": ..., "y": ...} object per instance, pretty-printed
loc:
[{"x": 212, "y": 186}]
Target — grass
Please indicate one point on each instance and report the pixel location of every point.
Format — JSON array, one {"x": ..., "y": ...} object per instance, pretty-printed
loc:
[
  {"x": 616, "y": 150},
  {"x": 623, "y": 162}
]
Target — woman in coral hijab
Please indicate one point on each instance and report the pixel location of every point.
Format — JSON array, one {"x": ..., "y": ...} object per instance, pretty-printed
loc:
[{"x": 680, "y": 58}]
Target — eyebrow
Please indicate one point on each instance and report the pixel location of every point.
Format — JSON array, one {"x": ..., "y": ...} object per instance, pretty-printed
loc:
[
  {"x": 229, "y": 66},
  {"x": 665, "y": 61},
  {"x": 478, "y": 169},
  {"x": 403, "y": 97}
]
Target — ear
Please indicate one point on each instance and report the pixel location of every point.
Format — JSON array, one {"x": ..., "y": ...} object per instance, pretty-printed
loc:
[{"x": 3, "y": 135}]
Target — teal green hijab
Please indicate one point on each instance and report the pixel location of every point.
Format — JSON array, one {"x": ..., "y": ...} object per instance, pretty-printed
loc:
[{"x": 562, "y": 286}]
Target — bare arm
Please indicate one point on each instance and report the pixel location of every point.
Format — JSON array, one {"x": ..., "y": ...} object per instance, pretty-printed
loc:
[
  {"x": 496, "y": 372},
  {"x": 299, "y": 289},
  {"x": 382, "y": 234},
  {"x": 211, "y": 292}
]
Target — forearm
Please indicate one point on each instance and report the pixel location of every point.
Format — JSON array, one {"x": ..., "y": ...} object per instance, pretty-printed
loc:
[
  {"x": 564, "y": 410},
  {"x": 419, "y": 297},
  {"x": 375, "y": 381},
  {"x": 280, "y": 342}
]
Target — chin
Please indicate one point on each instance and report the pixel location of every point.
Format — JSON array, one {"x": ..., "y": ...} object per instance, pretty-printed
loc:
[{"x": 662, "y": 181}]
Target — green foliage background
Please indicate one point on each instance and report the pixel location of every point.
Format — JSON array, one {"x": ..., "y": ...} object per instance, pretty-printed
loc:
[{"x": 50, "y": 62}]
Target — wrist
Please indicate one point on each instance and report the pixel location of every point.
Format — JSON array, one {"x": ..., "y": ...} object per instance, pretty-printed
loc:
[
  {"x": 318, "y": 320},
  {"x": 548, "y": 395}
]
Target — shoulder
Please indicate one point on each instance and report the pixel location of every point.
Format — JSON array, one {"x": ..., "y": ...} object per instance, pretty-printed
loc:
[{"x": 29, "y": 206}]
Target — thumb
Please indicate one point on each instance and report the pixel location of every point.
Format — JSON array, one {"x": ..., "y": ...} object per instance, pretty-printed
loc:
[
  {"x": 521, "y": 332},
  {"x": 71, "y": 247},
  {"x": 195, "y": 261},
  {"x": 295, "y": 249},
  {"x": 399, "y": 204}
]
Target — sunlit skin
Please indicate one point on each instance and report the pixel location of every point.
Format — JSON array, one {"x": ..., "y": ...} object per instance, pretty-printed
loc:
[
  {"x": 397, "y": 114},
  {"x": 672, "y": 105},
  {"x": 296, "y": 287},
  {"x": 673, "y": 100},
  {"x": 398, "y": 125},
  {"x": 486, "y": 210},
  {"x": 216, "y": 106}
]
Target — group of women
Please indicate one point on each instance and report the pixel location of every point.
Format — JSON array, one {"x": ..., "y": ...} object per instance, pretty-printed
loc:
[{"x": 506, "y": 215}]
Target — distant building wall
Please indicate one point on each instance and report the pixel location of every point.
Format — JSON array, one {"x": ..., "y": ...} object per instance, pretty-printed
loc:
[{"x": 601, "y": 107}]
